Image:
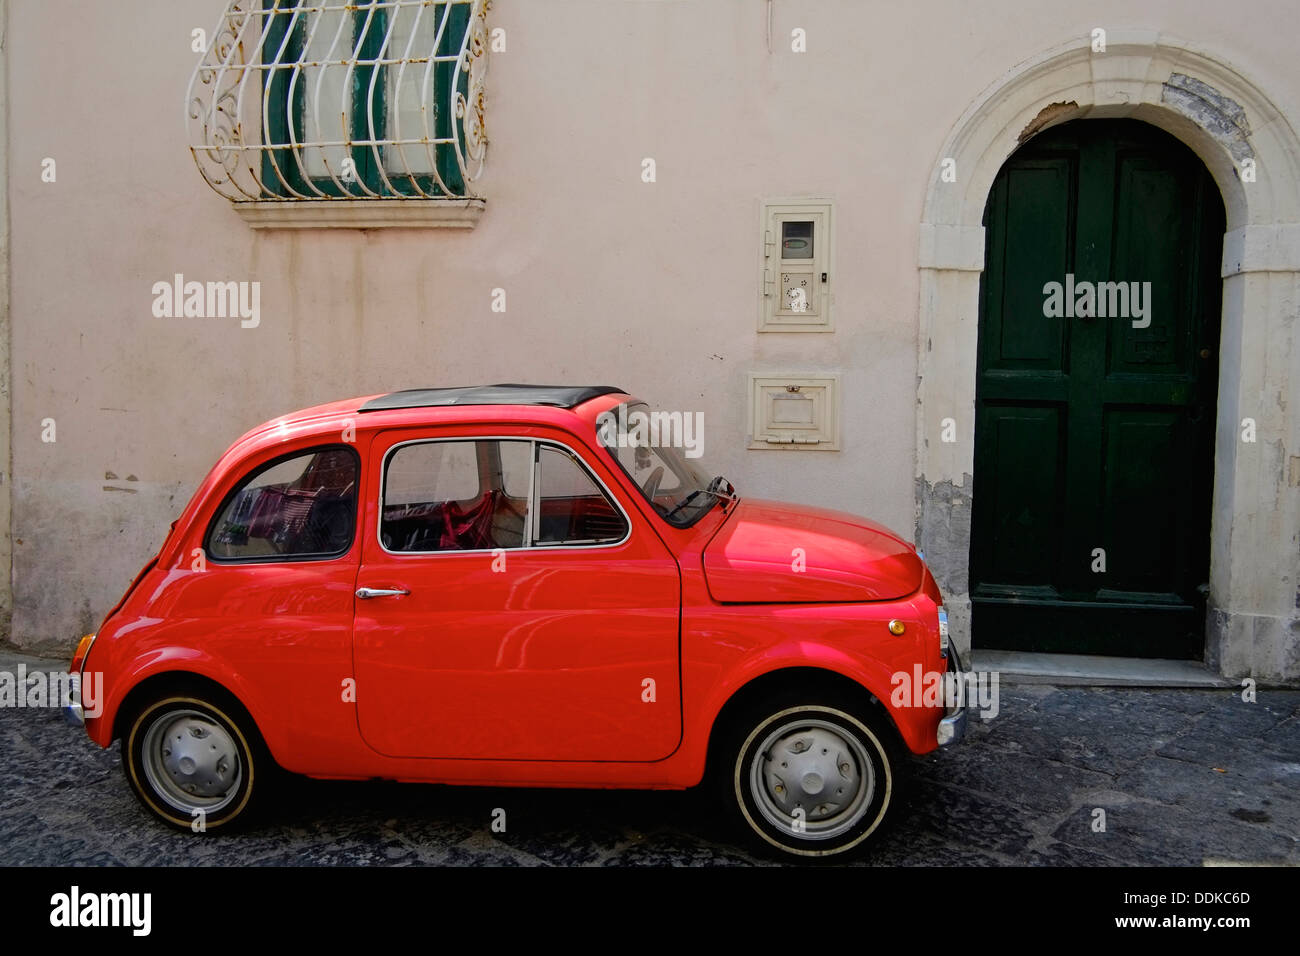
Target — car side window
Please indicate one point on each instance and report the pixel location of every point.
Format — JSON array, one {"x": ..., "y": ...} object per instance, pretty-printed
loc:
[
  {"x": 300, "y": 507},
  {"x": 571, "y": 508},
  {"x": 468, "y": 495}
]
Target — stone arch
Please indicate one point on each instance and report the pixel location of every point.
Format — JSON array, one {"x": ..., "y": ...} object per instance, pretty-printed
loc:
[{"x": 1230, "y": 123}]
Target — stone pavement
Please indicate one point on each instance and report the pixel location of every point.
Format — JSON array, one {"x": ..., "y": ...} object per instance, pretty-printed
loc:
[{"x": 1184, "y": 777}]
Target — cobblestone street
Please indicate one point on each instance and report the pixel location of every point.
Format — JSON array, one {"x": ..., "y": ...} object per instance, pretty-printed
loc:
[{"x": 1184, "y": 777}]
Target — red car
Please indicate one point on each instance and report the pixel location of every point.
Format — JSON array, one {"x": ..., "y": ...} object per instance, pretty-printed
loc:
[{"x": 516, "y": 585}]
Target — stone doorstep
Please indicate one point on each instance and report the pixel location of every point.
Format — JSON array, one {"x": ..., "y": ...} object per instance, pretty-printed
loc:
[{"x": 1091, "y": 670}]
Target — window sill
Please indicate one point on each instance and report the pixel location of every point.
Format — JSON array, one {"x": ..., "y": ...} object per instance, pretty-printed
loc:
[{"x": 362, "y": 213}]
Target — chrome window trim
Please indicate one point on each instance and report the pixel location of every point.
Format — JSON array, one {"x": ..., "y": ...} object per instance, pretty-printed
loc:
[
  {"x": 532, "y": 496},
  {"x": 530, "y": 522}
]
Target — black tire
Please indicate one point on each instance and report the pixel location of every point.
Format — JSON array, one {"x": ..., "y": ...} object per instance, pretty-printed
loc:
[
  {"x": 811, "y": 807},
  {"x": 195, "y": 761}
]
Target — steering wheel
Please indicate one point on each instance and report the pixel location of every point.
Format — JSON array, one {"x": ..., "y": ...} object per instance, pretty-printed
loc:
[{"x": 652, "y": 484}]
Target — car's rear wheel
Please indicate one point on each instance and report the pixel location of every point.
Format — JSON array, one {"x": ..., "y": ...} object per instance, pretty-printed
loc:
[
  {"x": 812, "y": 779},
  {"x": 194, "y": 763}
]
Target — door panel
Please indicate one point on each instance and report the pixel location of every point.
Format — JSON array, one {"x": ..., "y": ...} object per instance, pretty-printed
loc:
[
  {"x": 1026, "y": 539},
  {"x": 1138, "y": 514},
  {"x": 1094, "y": 432},
  {"x": 533, "y": 653},
  {"x": 1040, "y": 243}
]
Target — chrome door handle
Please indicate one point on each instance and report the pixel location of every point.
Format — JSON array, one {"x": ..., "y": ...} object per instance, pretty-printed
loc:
[{"x": 364, "y": 593}]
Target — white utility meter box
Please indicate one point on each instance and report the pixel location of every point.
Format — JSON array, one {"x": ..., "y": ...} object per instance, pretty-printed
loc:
[
  {"x": 794, "y": 412},
  {"x": 795, "y": 283}
]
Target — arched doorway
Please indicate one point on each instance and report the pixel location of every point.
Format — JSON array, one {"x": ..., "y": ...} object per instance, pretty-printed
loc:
[
  {"x": 1252, "y": 150},
  {"x": 1096, "y": 387}
]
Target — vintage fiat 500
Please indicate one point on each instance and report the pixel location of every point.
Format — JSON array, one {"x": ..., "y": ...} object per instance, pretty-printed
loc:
[{"x": 518, "y": 586}]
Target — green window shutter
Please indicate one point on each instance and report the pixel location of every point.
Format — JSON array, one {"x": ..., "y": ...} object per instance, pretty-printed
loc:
[
  {"x": 281, "y": 45},
  {"x": 287, "y": 103}
]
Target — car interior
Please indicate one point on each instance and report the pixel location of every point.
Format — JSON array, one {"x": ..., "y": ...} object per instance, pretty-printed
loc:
[{"x": 572, "y": 510}]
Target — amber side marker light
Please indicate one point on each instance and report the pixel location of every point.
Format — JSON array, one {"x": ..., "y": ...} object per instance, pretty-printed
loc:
[
  {"x": 897, "y": 627},
  {"x": 79, "y": 656}
]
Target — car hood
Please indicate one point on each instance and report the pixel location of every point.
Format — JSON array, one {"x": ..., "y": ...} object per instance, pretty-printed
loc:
[{"x": 769, "y": 551}]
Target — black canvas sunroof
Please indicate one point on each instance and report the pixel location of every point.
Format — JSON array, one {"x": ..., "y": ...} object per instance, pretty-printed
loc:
[{"x": 562, "y": 396}]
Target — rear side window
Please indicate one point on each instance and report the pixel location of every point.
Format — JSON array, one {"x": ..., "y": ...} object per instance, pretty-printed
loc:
[{"x": 300, "y": 507}]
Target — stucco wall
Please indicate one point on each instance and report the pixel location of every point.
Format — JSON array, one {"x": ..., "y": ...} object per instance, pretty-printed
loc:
[{"x": 653, "y": 287}]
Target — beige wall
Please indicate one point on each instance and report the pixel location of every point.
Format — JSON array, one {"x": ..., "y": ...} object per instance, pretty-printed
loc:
[{"x": 609, "y": 280}]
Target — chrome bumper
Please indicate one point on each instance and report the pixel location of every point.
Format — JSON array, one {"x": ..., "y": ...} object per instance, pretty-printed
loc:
[
  {"x": 73, "y": 712},
  {"x": 953, "y": 726}
]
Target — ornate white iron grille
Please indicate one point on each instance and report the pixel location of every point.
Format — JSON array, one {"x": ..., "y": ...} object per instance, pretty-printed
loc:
[{"x": 313, "y": 99}]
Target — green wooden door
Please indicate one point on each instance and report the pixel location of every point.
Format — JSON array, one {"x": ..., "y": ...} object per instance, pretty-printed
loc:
[{"x": 1094, "y": 433}]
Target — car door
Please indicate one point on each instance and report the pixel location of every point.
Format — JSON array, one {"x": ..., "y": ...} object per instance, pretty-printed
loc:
[{"x": 509, "y": 607}]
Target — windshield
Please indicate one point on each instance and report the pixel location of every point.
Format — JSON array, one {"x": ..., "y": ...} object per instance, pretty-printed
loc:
[{"x": 661, "y": 453}]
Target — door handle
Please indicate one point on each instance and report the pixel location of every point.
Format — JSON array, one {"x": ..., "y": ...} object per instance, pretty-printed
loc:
[{"x": 364, "y": 593}]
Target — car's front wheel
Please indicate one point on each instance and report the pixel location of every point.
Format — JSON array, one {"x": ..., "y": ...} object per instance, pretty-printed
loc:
[
  {"x": 812, "y": 779},
  {"x": 194, "y": 763}
]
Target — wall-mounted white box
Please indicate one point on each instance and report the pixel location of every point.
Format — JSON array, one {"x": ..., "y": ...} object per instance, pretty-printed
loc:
[
  {"x": 795, "y": 282},
  {"x": 794, "y": 412}
]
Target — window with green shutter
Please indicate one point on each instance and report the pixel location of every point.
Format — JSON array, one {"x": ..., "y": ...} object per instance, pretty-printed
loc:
[
  {"x": 369, "y": 89},
  {"x": 326, "y": 100}
]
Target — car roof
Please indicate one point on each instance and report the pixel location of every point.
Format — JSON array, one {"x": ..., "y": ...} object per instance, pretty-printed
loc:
[
  {"x": 537, "y": 404},
  {"x": 560, "y": 396},
  {"x": 544, "y": 405}
]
